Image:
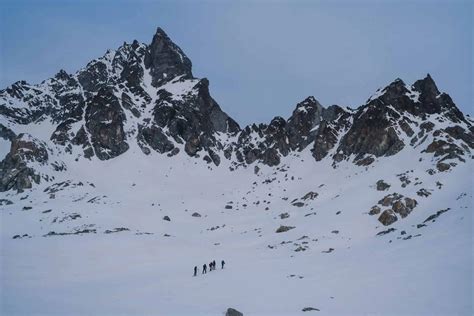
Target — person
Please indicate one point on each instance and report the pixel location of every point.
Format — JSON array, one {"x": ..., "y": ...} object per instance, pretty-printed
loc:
[
  {"x": 195, "y": 270},
  {"x": 204, "y": 269},
  {"x": 210, "y": 266},
  {"x": 214, "y": 264},
  {"x": 222, "y": 264}
]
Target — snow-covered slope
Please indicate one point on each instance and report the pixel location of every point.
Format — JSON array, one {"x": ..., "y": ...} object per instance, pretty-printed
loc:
[{"x": 121, "y": 178}]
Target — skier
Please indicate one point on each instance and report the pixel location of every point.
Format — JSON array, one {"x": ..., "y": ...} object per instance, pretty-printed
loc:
[
  {"x": 195, "y": 270},
  {"x": 204, "y": 269},
  {"x": 222, "y": 264}
]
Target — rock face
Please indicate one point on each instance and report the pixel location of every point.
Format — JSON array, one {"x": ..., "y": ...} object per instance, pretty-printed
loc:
[
  {"x": 146, "y": 95},
  {"x": 165, "y": 59},
  {"x": 14, "y": 172},
  {"x": 104, "y": 122}
]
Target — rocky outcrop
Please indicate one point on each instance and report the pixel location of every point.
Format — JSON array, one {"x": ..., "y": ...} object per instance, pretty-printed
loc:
[
  {"x": 15, "y": 172},
  {"x": 371, "y": 133},
  {"x": 104, "y": 121}
]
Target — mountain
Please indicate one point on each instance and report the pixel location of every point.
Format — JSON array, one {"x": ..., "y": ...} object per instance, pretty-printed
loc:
[{"x": 132, "y": 153}]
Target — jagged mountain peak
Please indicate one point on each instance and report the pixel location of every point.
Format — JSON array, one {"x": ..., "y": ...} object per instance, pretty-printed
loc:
[
  {"x": 426, "y": 86},
  {"x": 62, "y": 75},
  {"x": 420, "y": 99},
  {"x": 308, "y": 104},
  {"x": 166, "y": 60}
]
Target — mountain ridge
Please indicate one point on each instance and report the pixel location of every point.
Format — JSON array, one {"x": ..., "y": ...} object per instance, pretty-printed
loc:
[{"x": 147, "y": 94}]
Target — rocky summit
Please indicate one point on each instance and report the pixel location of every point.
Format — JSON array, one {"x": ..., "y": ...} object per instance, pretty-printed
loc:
[{"x": 118, "y": 179}]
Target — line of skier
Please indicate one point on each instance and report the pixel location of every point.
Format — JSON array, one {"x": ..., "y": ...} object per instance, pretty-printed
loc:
[{"x": 212, "y": 266}]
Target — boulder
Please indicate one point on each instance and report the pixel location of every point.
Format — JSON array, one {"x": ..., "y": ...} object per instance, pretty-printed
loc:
[
  {"x": 196, "y": 214},
  {"x": 400, "y": 208},
  {"x": 404, "y": 208},
  {"x": 374, "y": 210},
  {"x": 166, "y": 218},
  {"x": 441, "y": 166},
  {"x": 382, "y": 186},
  {"x": 411, "y": 203},
  {"x": 390, "y": 199},
  {"x": 388, "y": 217}
]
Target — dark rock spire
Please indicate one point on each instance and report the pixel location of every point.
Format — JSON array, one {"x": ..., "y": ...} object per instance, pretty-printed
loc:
[{"x": 166, "y": 60}]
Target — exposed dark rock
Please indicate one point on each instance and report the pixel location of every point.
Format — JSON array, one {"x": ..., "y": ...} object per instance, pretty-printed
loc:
[
  {"x": 385, "y": 232},
  {"x": 411, "y": 203},
  {"x": 284, "y": 215},
  {"x": 104, "y": 121},
  {"x": 390, "y": 199},
  {"x": 310, "y": 196},
  {"x": 328, "y": 251},
  {"x": 166, "y": 60},
  {"x": 441, "y": 166},
  {"x": 283, "y": 228},
  {"x": 116, "y": 230},
  {"x": 233, "y": 312},
  {"x": 157, "y": 140},
  {"x": 5, "y": 202},
  {"x": 387, "y": 217},
  {"x": 166, "y": 218},
  {"x": 382, "y": 186},
  {"x": 196, "y": 214},
  {"x": 77, "y": 232},
  {"x": 374, "y": 210},
  {"x": 436, "y": 215},
  {"x": 423, "y": 192},
  {"x": 336, "y": 121},
  {"x": 309, "y": 309},
  {"x": 14, "y": 171},
  {"x": 371, "y": 132}
]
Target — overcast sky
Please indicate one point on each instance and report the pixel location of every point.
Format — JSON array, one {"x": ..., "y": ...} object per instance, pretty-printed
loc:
[{"x": 261, "y": 57}]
